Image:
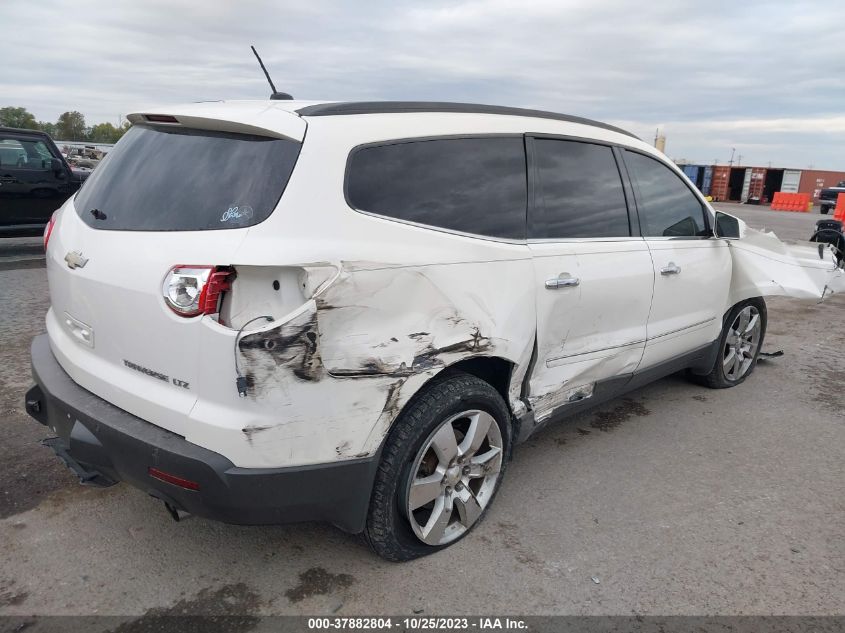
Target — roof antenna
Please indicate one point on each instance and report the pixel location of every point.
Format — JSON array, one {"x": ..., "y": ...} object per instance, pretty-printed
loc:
[{"x": 275, "y": 95}]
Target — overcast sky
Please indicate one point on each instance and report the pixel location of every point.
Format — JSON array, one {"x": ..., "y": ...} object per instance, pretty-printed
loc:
[{"x": 767, "y": 78}]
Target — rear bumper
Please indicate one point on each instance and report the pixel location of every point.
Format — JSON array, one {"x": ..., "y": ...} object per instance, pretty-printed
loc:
[{"x": 104, "y": 444}]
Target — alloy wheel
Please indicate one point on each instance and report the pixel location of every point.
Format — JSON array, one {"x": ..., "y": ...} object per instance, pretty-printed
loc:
[
  {"x": 741, "y": 343},
  {"x": 453, "y": 477}
]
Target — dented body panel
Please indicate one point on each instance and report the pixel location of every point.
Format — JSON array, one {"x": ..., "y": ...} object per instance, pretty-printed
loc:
[
  {"x": 764, "y": 266},
  {"x": 366, "y": 310},
  {"x": 596, "y": 329}
]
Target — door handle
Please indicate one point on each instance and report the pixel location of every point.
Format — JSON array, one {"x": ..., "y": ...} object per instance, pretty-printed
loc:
[
  {"x": 563, "y": 280},
  {"x": 671, "y": 269}
]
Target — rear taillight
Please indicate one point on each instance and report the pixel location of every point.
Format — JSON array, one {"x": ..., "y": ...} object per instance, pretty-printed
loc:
[
  {"x": 48, "y": 230},
  {"x": 193, "y": 290}
]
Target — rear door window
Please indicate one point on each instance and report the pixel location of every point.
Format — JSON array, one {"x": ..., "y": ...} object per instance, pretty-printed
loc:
[
  {"x": 24, "y": 153},
  {"x": 580, "y": 191},
  {"x": 666, "y": 205},
  {"x": 12, "y": 154},
  {"x": 176, "y": 179},
  {"x": 471, "y": 185}
]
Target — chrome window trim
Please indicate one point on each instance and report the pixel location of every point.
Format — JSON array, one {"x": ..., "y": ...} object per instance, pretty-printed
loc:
[
  {"x": 584, "y": 240},
  {"x": 676, "y": 238}
]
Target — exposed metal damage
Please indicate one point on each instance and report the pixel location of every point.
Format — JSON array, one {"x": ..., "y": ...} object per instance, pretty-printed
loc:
[
  {"x": 429, "y": 357},
  {"x": 393, "y": 327},
  {"x": 396, "y": 327},
  {"x": 342, "y": 332},
  {"x": 293, "y": 346}
]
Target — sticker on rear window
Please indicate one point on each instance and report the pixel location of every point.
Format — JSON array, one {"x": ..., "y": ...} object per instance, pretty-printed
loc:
[{"x": 237, "y": 213}]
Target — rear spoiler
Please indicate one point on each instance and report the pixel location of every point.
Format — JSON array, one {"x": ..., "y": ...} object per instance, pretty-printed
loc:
[{"x": 244, "y": 118}]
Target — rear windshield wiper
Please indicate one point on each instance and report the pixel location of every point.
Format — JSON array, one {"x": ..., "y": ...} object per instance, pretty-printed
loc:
[{"x": 98, "y": 215}]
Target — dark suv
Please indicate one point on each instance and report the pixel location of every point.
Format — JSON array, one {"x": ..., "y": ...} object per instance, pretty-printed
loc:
[
  {"x": 34, "y": 181},
  {"x": 829, "y": 196}
]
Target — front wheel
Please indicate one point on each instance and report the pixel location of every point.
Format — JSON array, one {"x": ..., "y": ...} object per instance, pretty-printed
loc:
[
  {"x": 441, "y": 468},
  {"x": 739, "y": 345}
]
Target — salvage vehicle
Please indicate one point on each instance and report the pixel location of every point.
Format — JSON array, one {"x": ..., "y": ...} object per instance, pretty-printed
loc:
[
  {"x": 828, "y": 197},
  {"x": 275, "y": 311},
  {"x": 35, "y": 180}
]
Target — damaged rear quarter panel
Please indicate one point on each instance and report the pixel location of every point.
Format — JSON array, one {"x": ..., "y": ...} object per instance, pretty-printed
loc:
[
  {"x": 328, "y": 380},
  {"x": 290, "y": 349},
  {"x": 409, "y": 323}
]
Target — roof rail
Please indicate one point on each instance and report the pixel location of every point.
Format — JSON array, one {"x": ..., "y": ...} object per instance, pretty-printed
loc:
[{"x": 393, "y": 107}]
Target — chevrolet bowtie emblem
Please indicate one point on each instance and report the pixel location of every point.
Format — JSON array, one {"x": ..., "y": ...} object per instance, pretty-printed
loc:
[{"x": 75, "y": 259}]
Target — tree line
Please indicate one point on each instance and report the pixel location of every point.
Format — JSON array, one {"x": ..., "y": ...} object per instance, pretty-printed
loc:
[{"x": 69, "y": 127}]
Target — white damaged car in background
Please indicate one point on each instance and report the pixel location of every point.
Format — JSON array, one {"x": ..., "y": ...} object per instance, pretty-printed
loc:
[{"x": 273, "y": 311}]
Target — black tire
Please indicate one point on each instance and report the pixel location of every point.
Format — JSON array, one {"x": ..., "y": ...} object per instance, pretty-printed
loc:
[
  {"x": 388, "y": 532},
  {"x": 717, "y": 378},
  {"x": 824, "y": 210}
]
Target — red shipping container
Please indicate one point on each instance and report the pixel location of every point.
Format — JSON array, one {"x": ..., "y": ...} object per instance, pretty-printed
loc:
[
  {"x": 814, "y": 180},
  {"x": 719, "y": 184},
  {"x": 758, "y": 180}
]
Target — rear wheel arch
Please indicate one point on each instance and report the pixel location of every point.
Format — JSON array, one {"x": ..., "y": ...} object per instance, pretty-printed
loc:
[
  {"x": 494, "y": 370},
  {"x": 387, "y": 531}
]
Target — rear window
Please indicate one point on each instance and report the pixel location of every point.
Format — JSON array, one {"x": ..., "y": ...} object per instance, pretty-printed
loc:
[
  {"x": 175, "y": 179},
  {"x": 472, "y": 185}
]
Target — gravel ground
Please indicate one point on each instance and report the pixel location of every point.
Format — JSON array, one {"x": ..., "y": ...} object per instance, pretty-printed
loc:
[{"x": 676, "y": 499}]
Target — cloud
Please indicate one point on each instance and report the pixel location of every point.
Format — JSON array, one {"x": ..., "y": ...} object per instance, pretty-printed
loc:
[{"x": 770, "y": 75}]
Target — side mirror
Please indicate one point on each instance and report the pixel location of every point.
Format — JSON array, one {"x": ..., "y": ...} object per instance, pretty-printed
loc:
[
  {"x": 57, "y": 167},
  {"x": 727, "y": 226}
]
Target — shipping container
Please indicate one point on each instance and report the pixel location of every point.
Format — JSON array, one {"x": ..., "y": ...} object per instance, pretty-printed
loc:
[
  {"x": 691, "y": 172},
  {"x": 719, "y": 183},
  {"x": 791, "y": 181},
  {"x": 706, "y": 180},
  {"x": 746, "y": 185},
  {"x": 814, "y": 180},
  {"x": 738, "y": 181},
  {"x": 756, "y": 185}
]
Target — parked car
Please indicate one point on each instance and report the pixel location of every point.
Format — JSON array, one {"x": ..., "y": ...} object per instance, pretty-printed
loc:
[
  {"x": 829, "y": 196},
  {"x": 359, "y": 324},
  {"x": 34, "y": 181}
]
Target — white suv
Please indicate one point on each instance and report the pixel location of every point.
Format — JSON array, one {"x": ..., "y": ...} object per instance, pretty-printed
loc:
[{"x": 278, "y": 311}]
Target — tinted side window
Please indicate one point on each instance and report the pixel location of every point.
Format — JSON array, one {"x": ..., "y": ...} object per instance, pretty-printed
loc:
[
  {"x": 473, "y": 185},
  {"x": 666, "y": 206},
  {"x": 581, "y": 192},
  {"x": 12, "y": 153},
  {"x": 24, "y": 154}
]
